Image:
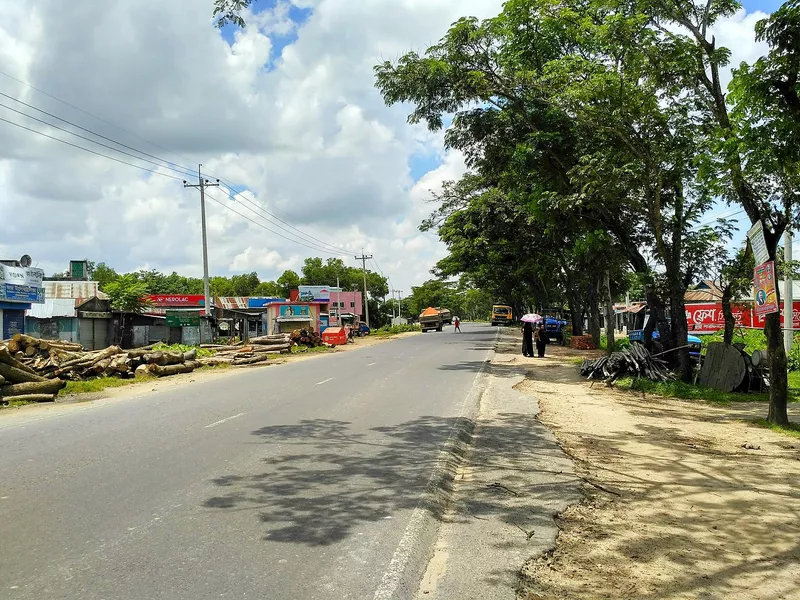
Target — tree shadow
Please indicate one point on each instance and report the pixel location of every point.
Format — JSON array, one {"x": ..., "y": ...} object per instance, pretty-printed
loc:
[{"x": 322, "y": 478}]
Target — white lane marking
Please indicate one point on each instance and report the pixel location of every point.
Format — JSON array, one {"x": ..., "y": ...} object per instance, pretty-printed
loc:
[
  {"x": 325, "y": 380},
  {"x": 370, "y": 364},
  {"x": 391, "y": 579},
  {"x": 221, "y": 421}
]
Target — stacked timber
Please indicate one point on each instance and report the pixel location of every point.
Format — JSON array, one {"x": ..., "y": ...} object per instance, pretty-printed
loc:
[
  {"x": 306, "y": 337},
  {"x": 19, "y": 382},
  {"x": 635, "y": 361},
  {"x": 256, "y": 350}
]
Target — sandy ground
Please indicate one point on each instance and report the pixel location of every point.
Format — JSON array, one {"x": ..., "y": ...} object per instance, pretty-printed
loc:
[
  {"x": 683, "y": 499},
  {"x": 153, "y": 385}
]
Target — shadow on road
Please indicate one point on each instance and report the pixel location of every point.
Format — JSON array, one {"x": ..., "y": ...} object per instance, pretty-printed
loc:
[{"x": 321, "y": 479}]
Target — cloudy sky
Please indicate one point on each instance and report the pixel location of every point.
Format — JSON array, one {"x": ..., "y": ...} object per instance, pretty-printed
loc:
[{"x": 284, "y": 112}]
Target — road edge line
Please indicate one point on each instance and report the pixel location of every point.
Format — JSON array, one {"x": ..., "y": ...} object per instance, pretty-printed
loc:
[{"x": 404, "y": 574}]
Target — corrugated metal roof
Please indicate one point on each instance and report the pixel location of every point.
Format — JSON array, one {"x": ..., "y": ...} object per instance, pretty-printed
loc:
[
  {"x": 231, "y": 302},
  {"x": 702, "y": 296},
  {"x": 72, "y": 289},
  {"x": 53, "y": 307}
]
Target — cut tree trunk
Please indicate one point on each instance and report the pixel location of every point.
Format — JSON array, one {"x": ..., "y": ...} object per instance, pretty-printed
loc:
[
  {"x": 30, "y": 350},
  {"x": 51, "y": 386},
  {"x": 34, "y": 398},
  {"x": 160, "y": 371},
  {"x": 15, "y": 375},
  {"x": 5, "y": 356},
  {"x": 252, "y": 360},
  {"x": 609, "y": 310},
  {"x": 190, "y": 355}
]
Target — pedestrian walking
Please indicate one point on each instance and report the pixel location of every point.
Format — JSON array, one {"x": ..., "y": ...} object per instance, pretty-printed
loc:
[
  {"x": 527, "y": 339},
  {"x": 457, "y": 325},
  {"x": 542, "y": 339}
]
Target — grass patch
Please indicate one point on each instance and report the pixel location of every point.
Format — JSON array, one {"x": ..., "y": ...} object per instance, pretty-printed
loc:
[
  {"x": 576, "y": 361},
  {"x": 792, "y": 429},
  {"x": 97, "y": 385},
  {"x": 688, "y": 391},
  {"x": 182, "y": 348},
  {"x": 307, "y": 350}
]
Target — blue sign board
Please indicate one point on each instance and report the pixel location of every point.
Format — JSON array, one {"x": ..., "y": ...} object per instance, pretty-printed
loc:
[
  {"x": 21, "y": 293},
  {"x": 261, "y": 302}
]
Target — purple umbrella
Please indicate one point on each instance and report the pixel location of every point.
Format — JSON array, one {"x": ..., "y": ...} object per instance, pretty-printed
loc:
[{"x": 531, "y": 318}]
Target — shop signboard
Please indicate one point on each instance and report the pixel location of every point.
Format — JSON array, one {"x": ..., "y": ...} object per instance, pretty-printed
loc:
[
  {"x": 92, "y": 314},
  {"x": 21, "y": 293},
  {"x": 262, "y": 302},
  {"x": 294, "y": 310},
  {"x": 176, "y": 300},
  {"x": 765, "y": 294},
  {"x": 316, "y": 293},
  {"x": 21, "y": 276},
  {"x": 708, "y": 317},
  {"x": 183, "y": 318}
]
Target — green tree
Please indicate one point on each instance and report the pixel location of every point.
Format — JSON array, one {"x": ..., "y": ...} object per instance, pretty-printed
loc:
[
  {"x": 288, "y": 281},
  {"x": 103, "y": 275},
  {"x": 229, "y": 12},
  {"x": 269, "y": 289},
  {"x": 127, "y": 293}
]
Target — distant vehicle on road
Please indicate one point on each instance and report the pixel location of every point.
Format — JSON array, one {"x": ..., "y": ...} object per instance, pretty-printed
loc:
[
  {"x": 447, "y": 316},
  {"x": 430, "y": 319},
  {"x": 502, "y": 314}
]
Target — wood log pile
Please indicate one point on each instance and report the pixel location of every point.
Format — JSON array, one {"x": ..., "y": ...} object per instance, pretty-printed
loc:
[
  {"x": 306, "y": 337},
  {"x": 635, "y": 361},
  {"x": 256, "y": 350},
  {"x": 56, "y": 361},
  {"x": 19, "y": 382}
]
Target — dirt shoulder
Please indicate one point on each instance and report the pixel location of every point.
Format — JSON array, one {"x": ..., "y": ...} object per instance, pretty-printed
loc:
[
  {"x": 139, "y": 387},
  {"x": 682, "y": 499}
]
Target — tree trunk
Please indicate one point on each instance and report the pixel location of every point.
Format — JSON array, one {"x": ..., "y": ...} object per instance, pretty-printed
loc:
[
  {"x": 609, "y": 309},
  {"x": 159, "y": 371},
  {"x": 727, "y": 311},
  {"x": 33, "y": 398},
  {"x": 5, "y": 356},
  {"x": 655, "y": 307},
  {"x": 680, "y": 331},
  {"x": 594, "y": 313},
  {"x": 15, "y": 375},
  {"x": 51, "y": 386},
  {"x": 776, "y": 353},
  {"x": 575, "y": 306}
]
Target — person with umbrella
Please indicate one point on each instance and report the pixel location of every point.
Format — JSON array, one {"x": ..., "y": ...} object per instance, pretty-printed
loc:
[{"x": 528, "y": 322}]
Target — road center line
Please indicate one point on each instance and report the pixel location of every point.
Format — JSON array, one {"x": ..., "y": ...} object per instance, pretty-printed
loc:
[
  {"x": 221, "y": 421},
  {"x": 325, "y": 380},
  {"x": 370, "y": 364}
]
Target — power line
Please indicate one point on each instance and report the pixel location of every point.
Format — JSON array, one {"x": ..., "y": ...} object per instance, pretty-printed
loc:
[
  {"x": 83, "y": 137},
  {"x": 323, "y": 246},
  {"x": 90, "y": 151},
  {"x": 79, "y": 109},
  {"x": 180, "y": 169},
  {"x": 299, "y": 242}
]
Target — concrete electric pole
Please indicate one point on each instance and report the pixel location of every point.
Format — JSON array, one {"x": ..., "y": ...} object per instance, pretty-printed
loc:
[
  {"x": 399, "y": 302},
  {"x": 364, "y": 258},
  {"x": 202, "y": 184}
]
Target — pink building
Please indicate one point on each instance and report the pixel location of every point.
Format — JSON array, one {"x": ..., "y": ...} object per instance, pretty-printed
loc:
[{"x": 349, "y": 302}]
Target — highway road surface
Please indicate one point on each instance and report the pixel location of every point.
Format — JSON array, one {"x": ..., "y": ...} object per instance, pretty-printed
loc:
[{"x": 305, "y": 480}]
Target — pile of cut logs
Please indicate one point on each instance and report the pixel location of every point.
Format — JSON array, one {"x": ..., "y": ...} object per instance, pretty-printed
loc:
[
  {"x": 306, "y": 337},
  {"x": 635, "y": 361},
  {"x": 19, "y": 382},
  {"x": 255, "y": 350}
]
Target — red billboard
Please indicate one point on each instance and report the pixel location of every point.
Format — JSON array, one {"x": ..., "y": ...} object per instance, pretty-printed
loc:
[
  {"x": 177, "y": 300},
  {"x": 707, "y": 317}
]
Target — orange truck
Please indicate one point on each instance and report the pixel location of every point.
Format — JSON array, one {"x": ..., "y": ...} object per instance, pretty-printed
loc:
[{"x": 429, "y": 319}]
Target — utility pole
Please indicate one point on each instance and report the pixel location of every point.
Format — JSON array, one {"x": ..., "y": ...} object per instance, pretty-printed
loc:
[
  {"x": 399, "y": 302},
  {"x": 202, "y": 184},
  {"x": 364, "y": 258},
  {"x": 788, "y": 300}
]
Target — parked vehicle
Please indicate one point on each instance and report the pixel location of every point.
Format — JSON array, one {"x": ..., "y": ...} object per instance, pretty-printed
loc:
[
  {"x": 556, "y": 329},
  {"x": 447, "y": 316},
  {"x": 637, "y": 335},
  {"x": 430, "y": 319},
  {"x": 502, "y": 314}
]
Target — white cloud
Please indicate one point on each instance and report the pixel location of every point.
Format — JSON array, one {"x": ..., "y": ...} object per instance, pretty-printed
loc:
[{"x": 301, "y": 127}]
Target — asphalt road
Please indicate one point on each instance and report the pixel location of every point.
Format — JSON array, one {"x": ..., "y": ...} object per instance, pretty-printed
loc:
[{"x": 297, "y": 481}]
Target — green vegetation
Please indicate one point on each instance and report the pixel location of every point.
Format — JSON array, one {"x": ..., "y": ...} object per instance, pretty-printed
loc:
[
  {"x": 792, "y": 429},
  {"x": 687, "y": 391},
  {"x": 98, "y": 385},
  {"x": 390, "y": 330},
  {"x": 754, "y": 339},
  {"x": 620, "y": 343},
  {"x": 307, "y": 350},
  {"x": 201, "y": 352}
]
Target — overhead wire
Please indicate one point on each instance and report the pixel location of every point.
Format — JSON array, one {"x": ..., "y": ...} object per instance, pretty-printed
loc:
[
  {"x": 308, "y": 239},
  {"x": 90, "y": 151}
]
